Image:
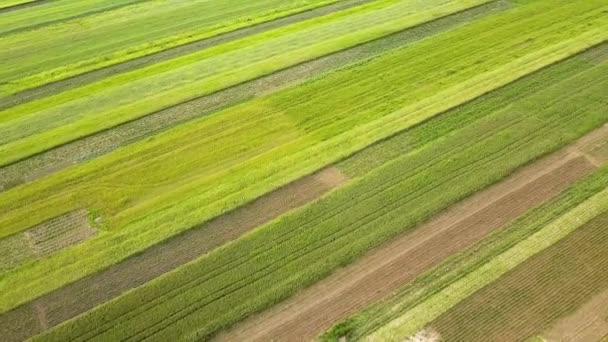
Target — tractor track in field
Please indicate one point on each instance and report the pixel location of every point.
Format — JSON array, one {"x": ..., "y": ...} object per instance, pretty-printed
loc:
[
  {"x": 384, "y": 269},
  {"x": 174, "y": 52},
  {"x": 106, "y": 141},
  {"x": 62, "y": 304}
]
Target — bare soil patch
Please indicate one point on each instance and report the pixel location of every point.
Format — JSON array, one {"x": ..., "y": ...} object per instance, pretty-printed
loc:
[
  {"x": 103, "y": 142},
  {"x": 82, "y": 295},
  {"x": 385, "y": 269},
  {"x": 588, "y": 324}
]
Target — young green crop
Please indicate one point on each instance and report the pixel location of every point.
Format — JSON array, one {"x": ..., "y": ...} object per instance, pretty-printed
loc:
[
  {"x": 38, "y": 57},
  {"x": 39, "y": 125},
  {"x": 232, "y": 157},
  {"x": 416, "y": 318},
  {"x": 278, "y": 259},
  {"x": 459, "y": 265}
]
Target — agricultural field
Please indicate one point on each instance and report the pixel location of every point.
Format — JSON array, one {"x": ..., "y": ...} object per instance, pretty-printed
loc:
[{"x": 297, "y": 170}]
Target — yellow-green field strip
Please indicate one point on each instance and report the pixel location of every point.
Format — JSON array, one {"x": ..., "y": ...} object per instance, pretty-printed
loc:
[
  {"x": 129, "y": 32},
  {"x": 262, "y": 144},
  {"x": 18, "y": 322},
  {"x": 105, "y": 141},
  {"x": 285, "y": 255},
  {"x": 169, "y": 53},
  {"x": 42, "y": 124}
]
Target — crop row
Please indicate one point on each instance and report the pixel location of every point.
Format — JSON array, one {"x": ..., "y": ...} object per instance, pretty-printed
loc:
[
  {"x": 461, "y": 264},
  {"x": 537, "y": 293},
  {"x": 42, "y": 124},
  {"x": 59, "y": 11},
  {"x": 416, "y": 318},
  {"x": 129, "y": 32},
  {"x": 295, "y": 250},
  {"x": 106, "y": 141},
  {"x": 216, "y": 163}
]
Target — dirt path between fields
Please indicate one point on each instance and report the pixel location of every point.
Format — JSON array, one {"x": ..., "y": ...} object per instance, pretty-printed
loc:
[
  {"x": 385, "y": 269},
  {"x": 588, "y": 324},
  {"x": 106, "y": 141},
  {"x": 62, "y": 304}
]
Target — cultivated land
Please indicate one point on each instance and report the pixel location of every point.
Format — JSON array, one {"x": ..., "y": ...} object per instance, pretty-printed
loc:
[{"x": 231, "y": 170}]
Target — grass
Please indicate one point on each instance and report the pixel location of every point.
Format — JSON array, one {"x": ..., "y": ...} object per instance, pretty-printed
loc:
[
  {"x": 244, "y": 161},
  {"x": 105, "y": 141},
  {"x": 40, "y": 125},
  {"x": 416, "y": 318},
  {"x": 56, "y": 12},
  {"x": 280, "y": 258},
  {"x": 456, "y": 267},
  {"x": 10, "y": 3}
]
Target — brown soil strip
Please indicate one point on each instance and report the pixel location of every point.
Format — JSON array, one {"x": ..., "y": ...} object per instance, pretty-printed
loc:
[
  {"x": 141, "y": 62},
  {"x": 98, "y": 288},
  {"x": 106, "y": 141},
  {"x": 528, "y": 299},
  {"x": 389, "y": 266},
  {"x": 588, "y": 324}
]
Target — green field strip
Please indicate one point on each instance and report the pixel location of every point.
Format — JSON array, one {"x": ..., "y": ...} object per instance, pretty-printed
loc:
[
  {"x": 61, "y": 305},
  {"x": 105, "y": 141},
  {"x": 131, "y": 198},
  {"x": 54, "y": 12},
  {"x": 418, "y": 317},
  {"x": 394, "y": 146},
  {"x": 7, "y": 6},
  {"x": 116, "y": 36},
  {"x": 424, "y": 287},
  {"x": 297, "y": 249},
  {"x": 37, "y": 126},
  {"x": 530, "y": 298},
  {"x": 140, "y": 62}
]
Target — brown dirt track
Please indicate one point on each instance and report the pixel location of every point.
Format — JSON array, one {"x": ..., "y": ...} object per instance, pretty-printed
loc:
[
  {"x": 62, "y": 304},
  {"x": 385, "y": 269}
]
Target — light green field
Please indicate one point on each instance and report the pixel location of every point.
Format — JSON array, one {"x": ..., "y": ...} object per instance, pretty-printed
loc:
[
  {"x": 416, "y": 318},
  {"x": 275, "y": 139},
  {"x": 39, "y": 125},
  {"x": 123, "y": 34},
  {"x": 295, "y": 250},
  {"x": 10, "y": 3},
  {"x": 456, "y": 268},
  {"x": 414, "y": 128}
]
